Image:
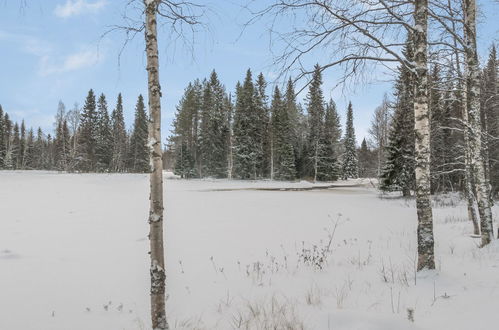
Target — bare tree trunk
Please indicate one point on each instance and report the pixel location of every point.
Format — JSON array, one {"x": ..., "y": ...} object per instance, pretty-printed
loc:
[
  {"x": 473, "y": 106},
  {"x": 157, "y": 270},
  {"x": 468, "y": 188},
  {"x": 426, "y": 256}
]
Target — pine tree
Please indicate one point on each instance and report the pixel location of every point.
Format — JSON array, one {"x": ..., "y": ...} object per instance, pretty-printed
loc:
[
  {"x": 328, "y": 165},
  {"x": 350, "y": 165},
  {"x": 88, "y": 134},
  {"x": 139, "y": 152},
  {"x": 104, "y": 142},
  {"x": 316, "y": 111},
  {"x": 119, "y": 137},
  {"x": 283, "y": 158}
]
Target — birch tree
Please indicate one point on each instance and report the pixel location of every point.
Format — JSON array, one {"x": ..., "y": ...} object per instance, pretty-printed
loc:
[
  {"x": 473, "y": 107},
  {"x": 355, "y": 35}
]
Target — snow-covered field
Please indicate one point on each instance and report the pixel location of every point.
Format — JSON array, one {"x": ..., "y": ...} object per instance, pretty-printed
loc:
[{"x": 73, "y": 255}]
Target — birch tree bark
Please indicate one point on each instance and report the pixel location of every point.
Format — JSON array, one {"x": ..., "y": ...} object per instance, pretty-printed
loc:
[
  {"x": 157, "y": 269},
  {"x": 426, "y": 257},
  {"x": 473, "y": 107},
  {"x": 468, "y": 177}
]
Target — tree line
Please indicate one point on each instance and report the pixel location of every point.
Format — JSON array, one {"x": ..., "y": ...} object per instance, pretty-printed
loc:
[
  {"x": 85, "y": 140},
  {"x": 254, "y": 136},
  {"x": 449, "y": 131}
]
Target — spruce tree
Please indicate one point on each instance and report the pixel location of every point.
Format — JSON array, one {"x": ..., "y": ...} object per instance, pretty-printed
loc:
[
  {"x": 247, "y": 148},
  {"x": 139, "y": 153},
  {"x": 30, "y": 150},
  {"x": 367, "y": 162},
  {"x": 283, "y": 162},
  {"x": 104, "y": 143},
  {"x": 328, "y": 167},
  {"x": 398, "y": 172},
  {"x": 119, "y": 137},
  {"x": 262, "y": 127},
  {"x": 214, "y": 129},
  {"x": 316, "y": 112},
  {"x": 62, "y": 146},
  {"x": 8, "y": 157},
  {"x": 297, "y": 122},
  {"x": 350, "y": 165},
  {"x": 185, "y": 132},
  {"x": 88, "y": 135},
  {"x": 22, "y": 146},
  {"x": 16, "y": 147}
]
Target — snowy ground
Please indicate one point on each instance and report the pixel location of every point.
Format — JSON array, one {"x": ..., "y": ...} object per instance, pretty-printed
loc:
[{"x": 73, "y": 255}]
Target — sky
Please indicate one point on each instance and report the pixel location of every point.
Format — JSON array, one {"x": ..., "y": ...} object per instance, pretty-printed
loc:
[{"x": 58, "y": 49}]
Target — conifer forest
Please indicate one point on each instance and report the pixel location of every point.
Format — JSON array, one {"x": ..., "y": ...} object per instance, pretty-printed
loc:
[{"x": 281, "y": 164}]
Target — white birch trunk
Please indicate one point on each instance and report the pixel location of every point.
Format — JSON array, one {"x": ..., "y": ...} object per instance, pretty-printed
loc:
[
  {"x": 468, "y": 188},
  {"x": 473, "y": 106},
  {"x": 426, "y": 257},
  {"x": 157, "y": 270}
]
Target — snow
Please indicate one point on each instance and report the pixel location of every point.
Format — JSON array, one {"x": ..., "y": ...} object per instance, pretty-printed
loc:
[{"x": 73, "y": 255}]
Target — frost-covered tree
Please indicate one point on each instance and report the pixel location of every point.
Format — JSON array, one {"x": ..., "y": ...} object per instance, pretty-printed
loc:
[
  {"x": 350, "y": 167},
  {"x": 329, "y": 167},
  {"x": 282, "y": 153},
  {"x": 138, "y": 158},
  {"x": 247, "y": 142},
  {"x": 185, "y": 141},
  {"x": 474, "y": 114},
  {"x": 367, "y": 161},
  {"x": 104, "y": 147},
  {"x": 490, "y": 118},
  {"x": 214, "y": 132},
  {"x": 380, "y": 130},
  {"x": 398, "y": 171},
  {"x": 316, "y": 112},
  {"x": 119, "y": 137},
  {"x": 87, "y": 142}
]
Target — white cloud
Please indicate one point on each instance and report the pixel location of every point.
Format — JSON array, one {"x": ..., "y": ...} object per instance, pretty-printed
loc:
[
  {"x": 80, "y": 60},
  {"x": 77, "y": 7}
]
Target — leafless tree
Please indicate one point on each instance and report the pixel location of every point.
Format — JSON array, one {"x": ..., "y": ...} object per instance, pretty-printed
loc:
[
  {"x": 358, "y": 36},
  {"x": 456, "y": 19},
  {"x": 380, "y": 128},
  {"x": 183, "y": 20}
]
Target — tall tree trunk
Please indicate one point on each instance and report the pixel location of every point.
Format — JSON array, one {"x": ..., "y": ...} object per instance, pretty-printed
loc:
[
  {"x": 473, "y": 106},
  {"x": 468, "y": 178},
  {"x": 157, "y": 270},
  {"x": 426, "y": 256}
]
